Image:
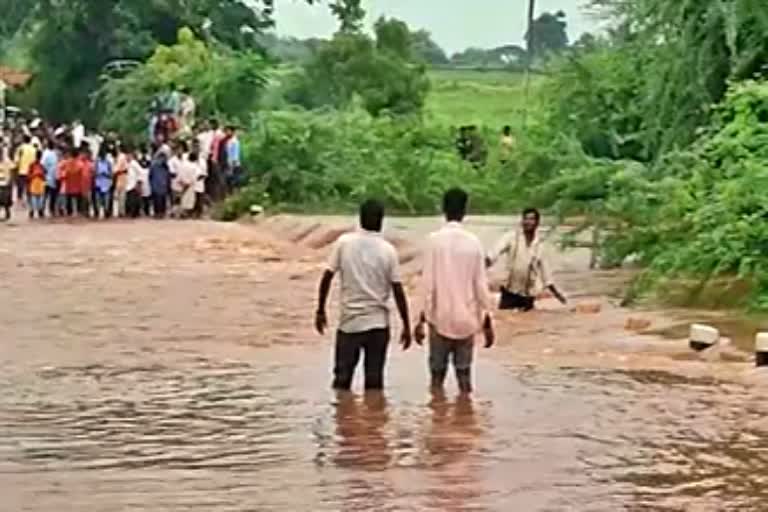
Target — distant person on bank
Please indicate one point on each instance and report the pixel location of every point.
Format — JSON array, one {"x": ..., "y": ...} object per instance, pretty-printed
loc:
[
  {"x": 25, "y": 157},
  {"x": 527, "y": 269},
  {"x": 50, "y": 162},
  {"x": 6, "y": 182},
  {"x": 506, "y": 145},
  {"x": 455, "y": 300},
  {"x": 37, "y": 188},
  {"x": 370, "y": 275}
]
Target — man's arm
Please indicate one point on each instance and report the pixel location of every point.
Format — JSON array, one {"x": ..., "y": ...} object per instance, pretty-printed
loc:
[
  {"x": 321, "y": 319},
  {"x": 501, "y": 247},
  {"x": 548, "y": 282},
  {"x": 426, "y": 294},
  {"x": 402, "y": 307},
  {"x": 483, "y": 300}
]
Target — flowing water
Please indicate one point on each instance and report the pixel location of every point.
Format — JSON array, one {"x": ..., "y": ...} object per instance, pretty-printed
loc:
[{"x": 171, "y": 367}]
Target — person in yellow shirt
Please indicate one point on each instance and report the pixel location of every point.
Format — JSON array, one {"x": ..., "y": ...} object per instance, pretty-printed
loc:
[
  {"x": 26, "y": 155},
  {"x": 37, "y": 188},
  {"x": 507, "y": 145},
  {"x": 6, "y": 187}
]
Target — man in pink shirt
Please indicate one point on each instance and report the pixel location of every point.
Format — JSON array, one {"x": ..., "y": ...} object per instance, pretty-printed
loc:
[{"x": 455, "y": 296}]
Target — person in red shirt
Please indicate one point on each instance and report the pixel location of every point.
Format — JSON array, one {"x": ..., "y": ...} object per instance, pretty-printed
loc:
[
  {"x": 73, "y": 182},
  {"x": 85, "y": 164}
]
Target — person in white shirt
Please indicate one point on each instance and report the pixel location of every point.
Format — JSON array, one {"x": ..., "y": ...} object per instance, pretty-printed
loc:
[
  {"x": 78, "y": 134},
  {"x": 146, "y": 190},
  {"x": 189, "y": 171},
  {"x": 175, "y": 167},
  {"x": 205, "y": 140},
  {"x": 370, "y": 275},
  {"x": 133, "y": 185},
  {"x": 526, "y": 264},
  {"x": 201, "y": 174}
]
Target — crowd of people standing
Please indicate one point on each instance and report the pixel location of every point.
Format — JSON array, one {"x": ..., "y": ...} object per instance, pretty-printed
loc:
[{"x": 64, "y": 172}]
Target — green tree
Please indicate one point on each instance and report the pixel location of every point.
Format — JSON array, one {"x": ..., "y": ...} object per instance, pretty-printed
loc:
[
  {"x": 223, "y": 81},
  {"x": 548, "y": 34},
  {"x": 350, "y": 14},
  {"x": 73, "y": 40},
  {"x": 426, "y": 49},
  {"x": 383, "y": 73}
]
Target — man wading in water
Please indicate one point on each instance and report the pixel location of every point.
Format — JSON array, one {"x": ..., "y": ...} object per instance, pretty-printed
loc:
[
  {"x": 455, "y": 297},
  {"x": 526, "y": 265},
  {"x": 370, "y": 273}
]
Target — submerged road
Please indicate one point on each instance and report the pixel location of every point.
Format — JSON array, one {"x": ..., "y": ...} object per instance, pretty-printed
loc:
[{"x": 171, "y": 366}]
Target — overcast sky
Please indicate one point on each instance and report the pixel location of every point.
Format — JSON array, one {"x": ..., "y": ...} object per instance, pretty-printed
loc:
[{"x": 455, "y": 24}]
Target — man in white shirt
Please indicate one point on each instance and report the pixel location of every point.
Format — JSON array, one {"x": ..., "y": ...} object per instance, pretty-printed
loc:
[
  {"x": 455, "y": 299},
  {"x": 527, "y": 269},
  {"x": 370, "y": 275},
  {"x": 133, "y": 186}
]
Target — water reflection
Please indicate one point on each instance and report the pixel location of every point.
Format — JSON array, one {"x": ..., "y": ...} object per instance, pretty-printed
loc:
[
  {"x": 451, "y": 439},
  {"x": 361, "y": 440}
]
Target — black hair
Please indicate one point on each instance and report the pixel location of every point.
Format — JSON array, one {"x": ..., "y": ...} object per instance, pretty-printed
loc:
[
  {"x": 27, "y": 139},
  {"x": 507, "y": 130},
  {"x": 372, "y": 215},
  {"x": 532, "y": 211},
  {"x": 455, "y": 204},
  {"x": 214, "y": 123}
]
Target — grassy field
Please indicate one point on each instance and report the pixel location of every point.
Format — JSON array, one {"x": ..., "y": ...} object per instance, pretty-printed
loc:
[{"x": 490, "y": 99}]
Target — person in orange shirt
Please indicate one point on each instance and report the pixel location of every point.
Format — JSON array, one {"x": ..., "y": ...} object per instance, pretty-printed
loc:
[
  {"x": 72, "y": 182},
  {"x": 36, "y": 177},
  {"x": 85, "y": 164}
]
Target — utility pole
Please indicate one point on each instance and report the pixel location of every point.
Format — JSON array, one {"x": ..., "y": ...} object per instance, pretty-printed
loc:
[{"x": 530, "y": 36}]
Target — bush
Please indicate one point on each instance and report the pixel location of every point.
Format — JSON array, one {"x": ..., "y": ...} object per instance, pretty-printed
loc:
[{"x": 312, "y": 160}]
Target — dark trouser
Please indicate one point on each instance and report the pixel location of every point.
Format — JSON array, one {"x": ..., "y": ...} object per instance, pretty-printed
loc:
[
  {"x": 74, "y": 204},
  {"x": 348, "y": 348},
  {"x": 442, "y": 351},
  {"x": 511, "y": 300},
  {"x": 199, "y": 201},
  {"x": 102, "y": 203},
  {"x": 160, "y": 205},
  {"x": 21, "y": 187},
  {"x": 146, "y": 205},
  {"x": 133, "y": 203},
  {"x": 52, "y": 198}
]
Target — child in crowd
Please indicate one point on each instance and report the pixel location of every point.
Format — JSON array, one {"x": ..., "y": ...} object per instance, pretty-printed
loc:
[
  {"x": 6, "y": 182},
  {"x": 37, "y": 188}
]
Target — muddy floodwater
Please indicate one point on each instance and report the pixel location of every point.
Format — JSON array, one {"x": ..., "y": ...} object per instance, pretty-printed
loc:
[{"x": 164, "y": 366}]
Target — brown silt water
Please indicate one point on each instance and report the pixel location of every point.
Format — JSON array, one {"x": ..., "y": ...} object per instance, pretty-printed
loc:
[{"x": 161, "y": 366}]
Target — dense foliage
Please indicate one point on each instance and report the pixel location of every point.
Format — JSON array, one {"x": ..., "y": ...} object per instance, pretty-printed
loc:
[
  {"x": 223, "y": 82},
  {"x": 311, "y": 160},
  {"x": 659, "y": 136},
  {"x": 383, "y": 73}
]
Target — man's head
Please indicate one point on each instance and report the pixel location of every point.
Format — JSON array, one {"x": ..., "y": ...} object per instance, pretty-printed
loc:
[
  {"x": 372, "y": 215},
  {"x": 173, "y": 86},
  {"x": 455, "y": 204},
  {"x": 531, "y": 220},
  {"x": 507, "y": 130},
  {"x": 214, "y": 124},
  {"x": 230, "y": 130},
  {"x": 27, "y": 139},
  {"x": 51, "y": 144}
]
